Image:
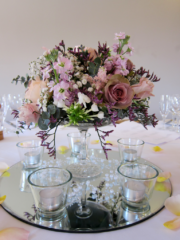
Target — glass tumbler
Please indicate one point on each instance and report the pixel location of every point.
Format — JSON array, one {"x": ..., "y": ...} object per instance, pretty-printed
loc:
[
  {"x": 137, "y": 184},
  {"x": 130, "y": 149},
  {"x": 30, "y": 153},
  {"x": 78, "y": 144},
  {"x": 49, "y": 188}
]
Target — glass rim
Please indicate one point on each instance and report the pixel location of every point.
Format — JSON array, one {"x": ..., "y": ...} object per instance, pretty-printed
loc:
[
  {"x": 126, "y": 144},
  {"x": 18, "y": 144},
  {"x": 87, "y": 134},
  {"x": 30, "y": 182},
  {"x": 136, "y": 179}
]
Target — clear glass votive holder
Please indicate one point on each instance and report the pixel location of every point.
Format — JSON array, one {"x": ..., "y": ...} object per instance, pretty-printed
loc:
[
  {"x": 137, "y": 183},
  {"x": 49, "y": 188},
  {"x": 130, "y": 149},
  {"x": 78, "y": 143},
  {"x": 30, "y": 153}
]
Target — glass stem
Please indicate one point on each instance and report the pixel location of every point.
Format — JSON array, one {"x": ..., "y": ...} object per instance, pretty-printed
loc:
[
  {"x": 83, "y": 145},
  {"x": 83, "y": 197},
  {"x": 173, "y": 120},
  {"x": 164, "y": 123}
]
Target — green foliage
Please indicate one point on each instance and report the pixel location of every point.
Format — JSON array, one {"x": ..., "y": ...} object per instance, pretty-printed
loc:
[
  {"x": 51, "y": 109},
  {"x": 43, "y": 123},
  {"x": 52, "y": 57},
  {"x": 23, "y": 80},
  {"x": 94, "y": 67},
  {"x": 45, "y": 115},
  {"x": 77, "y": 114}
]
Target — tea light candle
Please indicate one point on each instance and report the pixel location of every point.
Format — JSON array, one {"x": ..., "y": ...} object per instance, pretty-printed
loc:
[
  {"x": 32, "y": 158},
  {"x": 134, "y": 191},
  {"x": 77, "y": 147},
  {"x": 50, "y": 199},
  {"x": 129, "y": 154}
]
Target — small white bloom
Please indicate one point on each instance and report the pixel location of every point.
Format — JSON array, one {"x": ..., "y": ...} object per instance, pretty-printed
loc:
[
  {"x": 100, "y": 115},
  {"x": 77, "y": 74},
  {"x": 60, "y": 104},
  {"x": 44, "y": 89},
  {"x": 83, "y": 99},
  {"x": 44, "y": 109},
  {"x": 79, "y": 84},
  {"x": 94, "y": 107},
  {"x": 90, "y": 89},
  {"x": 44, "y": 101},
  {"x": 84, "y": 81},
  {"x": 75, "y": 86}
]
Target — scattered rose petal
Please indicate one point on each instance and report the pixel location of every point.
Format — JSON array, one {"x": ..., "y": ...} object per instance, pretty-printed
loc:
[
  {"x": 173, "y": 224},
  {"x": 163, "y": 187},
  {"x": 63, "y": 149},
  {"x": 3, "y": 167},
  {"x": 157, "y": 149},
  {"x": 95, "y": 142},
  {"x": 14, "y": 234},
  {"x": 2, "y": 199},
  {"x": 172, "y": 204},
  {"x": 113, "y": 143},
  {"x": 5, "y": 174},
  {"x": 163, "y": 176}
]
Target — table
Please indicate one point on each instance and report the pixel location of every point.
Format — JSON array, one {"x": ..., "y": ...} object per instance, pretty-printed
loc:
[{"x": 168, "y": 159}]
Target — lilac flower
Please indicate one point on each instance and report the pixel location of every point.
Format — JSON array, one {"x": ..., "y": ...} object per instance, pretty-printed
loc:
[
  {"x": 120, "y": 35},
  {"x": 61, "y": 90},
  {"x": 46, "y": 72},
  {"x": 51, "y": 84},
  {"x": 63, "y": 66}
]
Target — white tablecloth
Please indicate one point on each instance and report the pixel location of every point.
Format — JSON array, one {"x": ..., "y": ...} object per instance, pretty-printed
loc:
[{"x": 168, "y": 160}]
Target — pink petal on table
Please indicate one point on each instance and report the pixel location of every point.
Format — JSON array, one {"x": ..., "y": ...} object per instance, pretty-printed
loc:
[
  {"x": 163, "y": 176},
  {"x": 173, "y": 224},
  {"x": 173, "y": 204},
  {"x": 157, "y": 149},
  {"x": 14, "y": 234}
]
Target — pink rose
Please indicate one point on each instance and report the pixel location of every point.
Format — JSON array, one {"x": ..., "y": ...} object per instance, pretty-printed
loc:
[
  {"x": 28, "y": 113},
  {"x": 118, "y": 91},
  {"x": 34, "y": 89},
  {"x": 144, "y": 88}
]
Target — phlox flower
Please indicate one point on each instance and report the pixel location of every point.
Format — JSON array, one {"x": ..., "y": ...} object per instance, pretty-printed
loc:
[
  {"x": 120, "y": 35},
  {"x": 51, "y": 85},
  {"x": 61, "y": 90},
  {"x": 116, "y": 65},
  {"x": 46, "y": 72},
  {"x": 62, "y": 66},
  {"x": 115, "y": 47}
]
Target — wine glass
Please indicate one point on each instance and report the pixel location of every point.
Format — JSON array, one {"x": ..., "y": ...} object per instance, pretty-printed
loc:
[
  {"x": 175, "y": 102},
  {"x": 164, "y": 108},
  {"x": 173, "y": 113}
]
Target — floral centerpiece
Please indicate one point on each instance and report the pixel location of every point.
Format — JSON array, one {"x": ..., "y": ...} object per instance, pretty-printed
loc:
[{"x": 81, "y": 84}]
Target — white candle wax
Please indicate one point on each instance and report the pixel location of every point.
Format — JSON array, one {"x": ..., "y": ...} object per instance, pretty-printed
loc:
[
  {"x": 134, "y": 191},
  {"x": 51, "y": 199},
  {"x": 32, "y": 158},
  {"x": 129, "y": 154},
  {"x": 77, "y": 147}
]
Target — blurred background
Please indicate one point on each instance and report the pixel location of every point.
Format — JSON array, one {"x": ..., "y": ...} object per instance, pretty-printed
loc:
[{"x": 154, "y": 27}]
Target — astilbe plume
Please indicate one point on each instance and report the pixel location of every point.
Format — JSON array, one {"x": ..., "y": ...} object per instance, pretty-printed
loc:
[
  {"x": 103, "y": 51},
  {"x": 141, "y": 71}
]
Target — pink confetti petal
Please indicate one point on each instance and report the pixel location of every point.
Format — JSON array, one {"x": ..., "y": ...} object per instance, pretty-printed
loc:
[{"x": 172, "y": 204}]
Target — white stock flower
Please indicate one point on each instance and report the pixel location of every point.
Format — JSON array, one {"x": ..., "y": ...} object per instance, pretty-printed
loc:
[
  {"x": 90, "y": 89},
  {"x": 59, "y": 103},
  {"x": 84, "y": 81},
  {"x": 94, "y": 107},
  {"x": 44, "y": 109},
  {"x": 75, "y": 86},
  {"x": 100, "y": 115},
  {"x": 83, "y": 99},
  {"x": 79, "y": 84}
]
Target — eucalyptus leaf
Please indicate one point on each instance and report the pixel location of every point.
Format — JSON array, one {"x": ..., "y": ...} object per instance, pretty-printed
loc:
[
  {"x": 51, "y": 108},
  {"x": 43, "y": 123},
  {"x": 46, "y": 115},
  {"x": 52, "y": 125}
]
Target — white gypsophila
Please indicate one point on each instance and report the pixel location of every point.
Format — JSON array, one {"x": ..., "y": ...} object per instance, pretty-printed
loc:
[
  {"x": 90, "y": 89},
  {"x": 100, "y": 114},
  {"x": 83, "y": 99},
  {"x": 77, "y": 74},
  {"x": 79, "y": 84},
  {"x": 75, "y": 86},
  {"x": 44, "y": 109},
  {"x": 84, "y": 81},
  {"x": 94, "y": 107}
]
